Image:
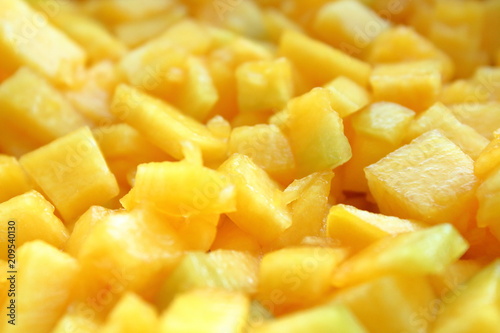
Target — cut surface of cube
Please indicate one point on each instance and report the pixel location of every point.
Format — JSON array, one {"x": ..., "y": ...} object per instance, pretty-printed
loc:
[
  {"x": 321, "y": 319},
  {"x": 440, "y": 117},
  {"x": 488, "y": 195},
  {"x": 260, "y": 206},
  {"x": 302, "y": 274},
  {"x": 40, "y": 308},
  {"x": 25, "y": 40},
  {"x": 72, "y": 173},
  {"x": 264, "y": 85},
  {"x": 221, "y": 269},
  {"x": 32, "y": 219},
  {"x": 483, "y": 117},
  {"x": 429, "y": 180},
  {"x": 415, "y": 253},
  {"x": 164, "y": 125},
  {"x": 218, "y": 311},
  {"x": 415, "y": 84},
  {"x": 13, "y": 180},
  {"x": 356, "y": 228},
  {"x": 489, "y": 158},
  {"x": 349, "y": 25},
  {"x": 317, "y": 137},
  {"x": 36, "y": 109},
  {"x": 320, "y": 62},
  {"x": 347, "y": 96}
]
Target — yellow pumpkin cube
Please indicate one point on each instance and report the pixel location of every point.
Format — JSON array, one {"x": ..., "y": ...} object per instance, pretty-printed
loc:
[
  {"x": 218, "y": 310},
  {"x": 489, "y": 158},
  {"x": 163, "y": 124},
  {"x": 483, "y": 117},
  {"x": 32, "y": 219},
  {"x": 487, "y": 194},
  {"x": 440, "y": 117},
  {"x": 258, "y": 198},
  {"x": 38, "y": 309},
  {"x": 27, "y": 39},
  {"x": 415, "y": 253},
  {"x": 347, "y": 96},
  {"x": 319, "y": 62},
  {"x": 130, "y": 315},
  {"x": 300, "y": 275},
  {"x": 415, "y": 84},
  {"x": 429, "y": 180},
  {"x": 267, "y": 146},
  {"x": 317, "y": 138},
  {"x": 327, "y": 318},
  {"x": 196, "y": 232},
  {"x": 230, "y": 237},
  {"x": 264, "y": 85},
  {"x": 356, "y": 228},
  {"x": 276, "y": 23},
  {"x": 72, "y": 172},
  {"x": 222, "y": 269},
  {"x": 36, "y": 109},
  {"x": 13, "y": 180},
  {"x": 349, "y": 25}
]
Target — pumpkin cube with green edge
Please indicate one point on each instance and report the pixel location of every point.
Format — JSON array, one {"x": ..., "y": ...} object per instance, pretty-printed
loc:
[
  {"x": 415, "y": 84},
  {"x": 130, "y": 315},
  {"x": 267, "y": 146},
  {"x": 72, "y": 172},
  {"x": 258, "y": 199},
  {"x": 316, "y": 133},
  {"x": 324, "y": 318},
  {"x": 347, "y": 96},
  {"x": 220, "y": 269},
  {"x": 477, "y": 305},
  {"x": 309, "y": 208},
  {"x": 38, "y": 308},
  {"x": 355, "y": 228},
  {"x": 13, "y": 179},
  {"x": 378, "y": 130},
  {"x": 440, "y": 117},
  {"x": 42, "y": 47},
  {"x": 429, "y": 180},
  {"x": 164, "y": 125},
  {"x": 420, "y": 252},
  {"x": 300, "y": 275},
  {"x": 28, "y": 217},
  {"x": 390, "y": 304},
  {"x": 216, "y": 311},
  {"x": 264, "y": 85}
]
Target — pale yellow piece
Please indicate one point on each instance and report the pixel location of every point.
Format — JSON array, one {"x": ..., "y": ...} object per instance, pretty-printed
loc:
[
  {"x": 13, "y": 179},
  {"x": 347, "y": 97}
]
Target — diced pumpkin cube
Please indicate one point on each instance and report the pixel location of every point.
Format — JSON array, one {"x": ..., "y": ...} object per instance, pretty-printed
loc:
[
  {"x": 391, "y": 304},
  {"x": 403, "y": 43},
  {"x": 317, "y": 138},
  {"x": 488, "y": 195},
  {"x": 309, "y": 209},
  {"x": 258, "y": 198},
  {"x": 415, "y": 253},
  {"x": 230, "y": 237},
  {"x": 267, "y": 146},
  {"x": 483, "y": 117},
  {"x": 181, "y": 189},
  {"x": 327, "y": 318},
  {"x": 131, "y": 315},
  {"x": 302, "y": 275},
  {"x": 37, "y": 110},
  {"x": 72, "y": 173},
  {"x": 440, "y": 117},
  {"x": 415, "y": 84},
  {"x": 218, "y": 311},
  {"x": 347, "y": 96},
  {"x": 349, "y": 25},
  {"x": 164, "y": 125},
  {"x": 453, "y": 279},
  {"x": 356, "y": 228},
  {"x": 33, "y": 218},
  {"x": 465, "y": 91},
  {"x": 481, "y": 292},
  {"x": 13, "y": 180},
  {"x": 319, "y": 62},
  {"x": 38, "y": 308},
  {"x": 196, "y": 232},
  {"x": 447, "y": 192},
  {"x": 221, "y": 269},
  {"x": 25, "y": 41},
  {"x": 276, "y": 23},
  {"x": 264, "y": 85},
  {"x": 489, "y": 158}
]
